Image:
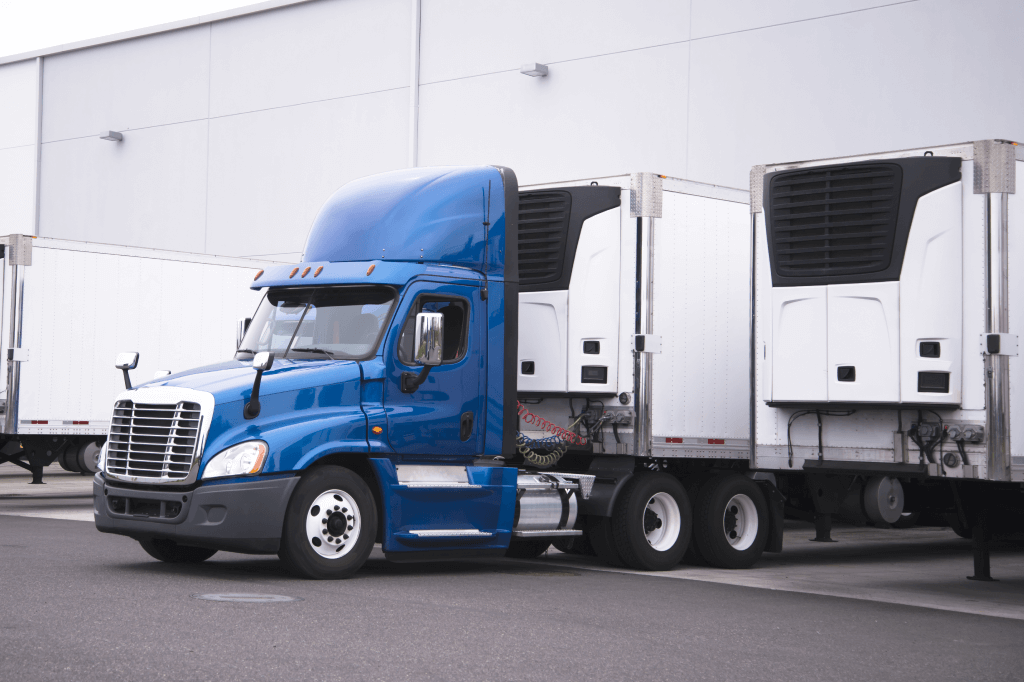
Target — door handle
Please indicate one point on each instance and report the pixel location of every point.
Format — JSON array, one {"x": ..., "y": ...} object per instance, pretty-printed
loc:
[{"x": 466, "y": 426}]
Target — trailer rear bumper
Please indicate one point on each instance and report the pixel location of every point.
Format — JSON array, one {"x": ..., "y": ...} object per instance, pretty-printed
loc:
[{"x": 237, "y": 517}]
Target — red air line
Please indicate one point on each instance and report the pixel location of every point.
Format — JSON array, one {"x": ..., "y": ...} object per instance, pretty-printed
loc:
[{"x": 544, "y": 425}]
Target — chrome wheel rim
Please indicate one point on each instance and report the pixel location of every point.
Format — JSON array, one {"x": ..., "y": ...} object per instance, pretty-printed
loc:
[
  {"x": 739, "y": 522},
  {"x": 662, "y": 522},
  {"x": 332, "y": 524}
]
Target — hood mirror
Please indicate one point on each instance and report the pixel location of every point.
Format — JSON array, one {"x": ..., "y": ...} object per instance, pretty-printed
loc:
[
  {"x": 125, "y": 362},
  {"x": 261, "y": 362},
  {"x": 429, "y": 349},
  {"x": 241, "y": 327}
]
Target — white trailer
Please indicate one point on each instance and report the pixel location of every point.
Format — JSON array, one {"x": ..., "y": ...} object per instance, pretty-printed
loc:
[
  {"x": 67, "y": 308},
  {"x": 870, "y": 345}
]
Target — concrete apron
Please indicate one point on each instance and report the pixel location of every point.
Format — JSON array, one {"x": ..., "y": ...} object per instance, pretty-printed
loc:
[{"x": 924, "y": 567}]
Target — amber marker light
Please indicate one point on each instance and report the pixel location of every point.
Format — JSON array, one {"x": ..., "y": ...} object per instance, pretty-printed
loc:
[
  {"x": 258, "y": 275},
  {"x": 370, "y": 269},
  {"x": 318, "y": 271},
  {"x": 378, "y": 430},
  {"x": 293, "y": 273},
  {"x": 306, "y": 271}
]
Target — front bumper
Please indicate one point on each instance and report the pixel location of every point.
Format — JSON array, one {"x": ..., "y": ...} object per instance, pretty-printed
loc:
[{"x": 237, "y": 517}]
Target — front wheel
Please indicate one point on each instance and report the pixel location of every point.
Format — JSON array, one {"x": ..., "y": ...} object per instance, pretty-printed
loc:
[
  {"x": 731, "y": 522},
  {"x": 171, "y": 552},
  {"x": 652, "y": 522},
  {"x": 329, "y": 525}
]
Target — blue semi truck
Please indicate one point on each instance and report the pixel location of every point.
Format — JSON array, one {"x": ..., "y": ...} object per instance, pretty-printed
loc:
[{"x": 373, "y": 399}]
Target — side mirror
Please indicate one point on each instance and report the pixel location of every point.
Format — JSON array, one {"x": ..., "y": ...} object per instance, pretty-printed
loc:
[
  {"x": 261, "y": 362},
  {"x": 429, "y": 349},
  {"x": 242, "y": 326},
  {"x": 125, "y": 362},
  {"x": 429, "y": 339}
]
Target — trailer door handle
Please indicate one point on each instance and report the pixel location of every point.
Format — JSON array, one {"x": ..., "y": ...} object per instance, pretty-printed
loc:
[{"x": 466, "y": 426}]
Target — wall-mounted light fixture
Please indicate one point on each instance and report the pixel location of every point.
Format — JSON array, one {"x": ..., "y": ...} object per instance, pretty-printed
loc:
[
  {"x": 112, "y": 135},
  {"x": 534, "y": 69}
]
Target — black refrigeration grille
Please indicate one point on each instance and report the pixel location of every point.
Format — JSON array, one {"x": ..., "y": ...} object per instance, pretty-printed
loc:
[
  {"x": 834, "y": 220},
  {"x": 543, "y": 229}
]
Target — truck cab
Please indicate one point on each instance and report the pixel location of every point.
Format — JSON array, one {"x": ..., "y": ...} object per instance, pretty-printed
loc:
[{"x": 372, "y": 399}]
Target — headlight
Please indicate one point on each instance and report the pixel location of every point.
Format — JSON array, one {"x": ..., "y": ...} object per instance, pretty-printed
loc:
[
  {"x": 238, "y": 460},
  {"x": 101, "y": 461}
]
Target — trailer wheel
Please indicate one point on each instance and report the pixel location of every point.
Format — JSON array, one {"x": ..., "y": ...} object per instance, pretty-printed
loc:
[
  {"x": 731, "y": 522},
  {"x": 88, "y": 458},
  {"x": 652, "y": 522},
  {"x": 171, "y": 552},
  {"x": 527, "y": 549},
  {"x": 329, "y": 525},
  {"x": 68, "y": 459}
]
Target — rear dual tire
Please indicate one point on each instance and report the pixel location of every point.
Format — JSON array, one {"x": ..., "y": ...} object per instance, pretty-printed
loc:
[
  {"x": 730, "y": 527},
  {"x": 650, "y": 525}
]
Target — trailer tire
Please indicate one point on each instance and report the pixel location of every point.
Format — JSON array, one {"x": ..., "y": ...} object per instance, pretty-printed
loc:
[
  {"x": 309, "y": 521},
  {"x": 68, "y": 459},
  {"x": 88, "y": 458},
  {"x": 652, "y": 522},
  {"x": 731, "y": 522},
  {"x": 171, "y": 552},
  {"x": 527, "y": 549}
]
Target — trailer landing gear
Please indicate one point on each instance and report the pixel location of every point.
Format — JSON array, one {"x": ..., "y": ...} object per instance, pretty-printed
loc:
[
  {"x": 822, "y": 528},
  {"x": 980, "y": 536}
]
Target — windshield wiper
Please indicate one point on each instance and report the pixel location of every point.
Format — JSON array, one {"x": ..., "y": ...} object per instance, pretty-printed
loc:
[
  {"x": 312, "y": 350},
  {"x": 245, "y": 350}
]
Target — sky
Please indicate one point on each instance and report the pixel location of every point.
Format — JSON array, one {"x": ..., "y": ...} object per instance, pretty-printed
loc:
[{"x": 27, "y": 25}]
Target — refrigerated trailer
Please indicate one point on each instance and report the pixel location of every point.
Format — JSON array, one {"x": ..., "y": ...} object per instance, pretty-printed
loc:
[
  {"x": 888, "y": 308},
  {"x": 638, "y": 367},
  {"x": 67, "y": 307}
]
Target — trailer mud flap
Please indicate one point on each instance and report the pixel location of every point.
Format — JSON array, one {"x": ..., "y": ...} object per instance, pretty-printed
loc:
[{"x": 776, "y": 515}]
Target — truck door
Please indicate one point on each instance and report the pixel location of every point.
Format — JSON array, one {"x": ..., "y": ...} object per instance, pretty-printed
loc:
[{"x": 445, "y": 415}]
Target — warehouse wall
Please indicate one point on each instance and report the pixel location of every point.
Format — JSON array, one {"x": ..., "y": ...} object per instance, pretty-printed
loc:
[{"x": 237, "y": 130}]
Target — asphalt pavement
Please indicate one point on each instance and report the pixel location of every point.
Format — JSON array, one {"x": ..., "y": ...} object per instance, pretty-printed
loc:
[{"x": 79, "y": 605}]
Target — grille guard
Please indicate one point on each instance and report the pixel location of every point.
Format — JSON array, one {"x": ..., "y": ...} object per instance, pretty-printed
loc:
[{"x": 166, "y": 395}]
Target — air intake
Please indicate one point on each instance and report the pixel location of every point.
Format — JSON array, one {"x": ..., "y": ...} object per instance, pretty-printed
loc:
[
  {"x": 834, "y": 221},
  {"x": 543, "y": 231}
]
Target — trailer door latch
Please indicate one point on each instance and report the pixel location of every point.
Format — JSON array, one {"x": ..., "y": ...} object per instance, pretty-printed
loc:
[
  {"x": 999, "y": 344},
  {"x": 646, "y": 343}
]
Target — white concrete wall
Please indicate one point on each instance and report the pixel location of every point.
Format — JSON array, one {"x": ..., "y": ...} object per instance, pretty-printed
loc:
[
  {"x": 18, "y": 122},
  {"x": 238, "y": 130}
]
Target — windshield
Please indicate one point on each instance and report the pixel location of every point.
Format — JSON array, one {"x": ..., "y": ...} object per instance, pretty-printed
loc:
[{"x": 343, "y": 323}]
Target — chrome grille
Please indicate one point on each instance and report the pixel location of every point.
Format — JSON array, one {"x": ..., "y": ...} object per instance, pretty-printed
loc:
[{"x": 155, "y": 441}]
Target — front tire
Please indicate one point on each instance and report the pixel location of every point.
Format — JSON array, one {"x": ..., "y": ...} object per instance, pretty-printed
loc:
[
  {"x": 652, "y": 522},
  {"x": 731, "y": 522},
  {"x": 329, "y": 525},
  {"x": 171, "y": 552}
]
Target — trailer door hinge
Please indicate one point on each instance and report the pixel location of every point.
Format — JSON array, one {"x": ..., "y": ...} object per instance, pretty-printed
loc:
[
  {"x": 646, "y": 343},
  {"x": 17, "y": 354},
  {"x": 999, "y": 344}
]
